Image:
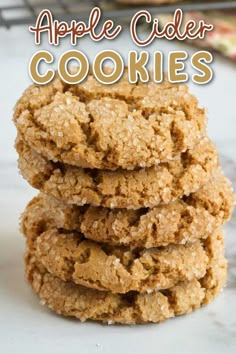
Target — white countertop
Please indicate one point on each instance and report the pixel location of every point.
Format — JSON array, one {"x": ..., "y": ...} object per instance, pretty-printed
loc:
[{"x": 27, "y": 327}]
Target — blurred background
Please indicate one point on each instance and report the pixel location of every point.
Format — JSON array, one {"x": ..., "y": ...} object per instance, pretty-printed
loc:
[{"x": 219, "y": 97}]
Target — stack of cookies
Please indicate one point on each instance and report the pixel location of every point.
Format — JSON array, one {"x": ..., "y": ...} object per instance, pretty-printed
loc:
[{"x": 127, "y": 225}]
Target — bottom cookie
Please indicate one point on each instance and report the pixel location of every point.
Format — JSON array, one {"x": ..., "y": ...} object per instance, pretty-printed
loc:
[{"x": 69, "y": 299}]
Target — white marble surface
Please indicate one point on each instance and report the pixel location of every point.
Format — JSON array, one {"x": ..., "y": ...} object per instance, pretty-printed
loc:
[{"x": 27, "y": 327}]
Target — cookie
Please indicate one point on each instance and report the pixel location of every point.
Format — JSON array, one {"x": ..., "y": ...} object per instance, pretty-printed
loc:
[
  {"x": 122, "y": 188},
  {"x": 69, "y": 299},
  {"x": 185, "y": 220},
  {"x": 91, "y": 125},
  {"x": 121, "y": 269}
]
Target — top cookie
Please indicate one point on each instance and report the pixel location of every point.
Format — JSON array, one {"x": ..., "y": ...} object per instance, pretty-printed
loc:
[{"x": 127, "y": 126}]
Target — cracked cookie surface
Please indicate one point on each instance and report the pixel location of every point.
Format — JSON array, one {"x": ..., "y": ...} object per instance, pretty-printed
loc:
[
  {"x": 121, "y": 269},
  {"x": 122, "y": 188},
  {"x": 120, "y": 126},
  {"x": 69, "y": 299},
  {"x": 185, "y": 220}
]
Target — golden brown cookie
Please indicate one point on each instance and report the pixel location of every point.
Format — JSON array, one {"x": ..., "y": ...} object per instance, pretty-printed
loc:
[
  {"x": 120, "y": 189},
  {"x": 109, "y": 127},
  {"x": 69, "y": 299},
  {"x": 185, "y": 220},
  {"x": 122, "y": 269}
]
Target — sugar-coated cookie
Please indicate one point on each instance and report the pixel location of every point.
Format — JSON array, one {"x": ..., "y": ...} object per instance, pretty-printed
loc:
[
  {"x": 127, "y": 126},
  {"x": 122, "y": 269},
  {"x": 121, "y": 188},
  {"x": 69, "y": 299},
  {"x": 184, "y": 220}
]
